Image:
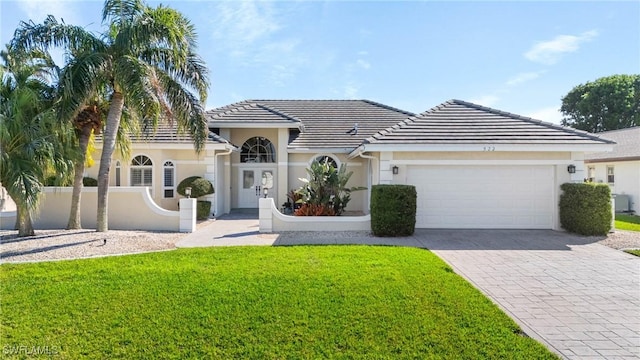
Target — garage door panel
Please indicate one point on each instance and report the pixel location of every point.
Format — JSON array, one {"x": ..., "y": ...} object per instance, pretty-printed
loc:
[{"x": 483, "y": 196}]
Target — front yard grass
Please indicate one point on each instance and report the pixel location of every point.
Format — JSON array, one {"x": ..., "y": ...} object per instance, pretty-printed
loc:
[
  {"x": 628, "y": 222},
  {"x": 633, "y": 252},
  {"x": 255, "y": 302}
]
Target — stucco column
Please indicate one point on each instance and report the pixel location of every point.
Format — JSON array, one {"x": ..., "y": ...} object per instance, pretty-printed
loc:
[
  {"x": 283, "y": 168},
  {"x": 386, "y": 174},
  {"x": 209, "y": 174},
  {"x": 577, "y": 159},
  {"x": 188, "y": 215}
]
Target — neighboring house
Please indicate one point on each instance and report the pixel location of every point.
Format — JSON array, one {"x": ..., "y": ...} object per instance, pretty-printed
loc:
[
  {"x": 473, "y": 167},
  {"x": 619, "y": 168}
]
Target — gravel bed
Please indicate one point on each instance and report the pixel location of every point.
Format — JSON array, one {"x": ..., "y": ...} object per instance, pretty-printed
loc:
[
  {"x": 50, "y": 245},
  {"x": 622, "y": 240}
]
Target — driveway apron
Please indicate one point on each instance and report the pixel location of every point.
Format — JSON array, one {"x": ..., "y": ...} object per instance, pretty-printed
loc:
[{"x": 579, "y": 298}]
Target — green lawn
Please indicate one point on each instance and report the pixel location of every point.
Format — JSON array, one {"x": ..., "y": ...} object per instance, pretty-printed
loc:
[
  {"x": 628, "y": 222},
  {"x": 633, "y": 252},
  {"x": 345, "y": 302}
]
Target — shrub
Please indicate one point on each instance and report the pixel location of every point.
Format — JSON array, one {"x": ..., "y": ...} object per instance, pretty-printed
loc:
[
  {"x": 315, "y": 210},
  {"x": 199, "y": 186},
  {"x": 393, "y": 210},
  {"x": 203, "y": 209},
  {"x": 326, "y": 187},
  {"x": 89, "y": 181},
  {"x": 585, "y": 208}
]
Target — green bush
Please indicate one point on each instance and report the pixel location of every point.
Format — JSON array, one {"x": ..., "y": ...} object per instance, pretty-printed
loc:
[
  {"x": 393, "y": 210},
  {"x": 585, "y": 208},
  {"x": 88, "y": 181},
  {"x": 199, "y": 186},
  {"x": 203, "y": 209}
]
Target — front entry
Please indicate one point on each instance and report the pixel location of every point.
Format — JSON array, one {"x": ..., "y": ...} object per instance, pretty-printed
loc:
[{"x": 251, "y": 186}]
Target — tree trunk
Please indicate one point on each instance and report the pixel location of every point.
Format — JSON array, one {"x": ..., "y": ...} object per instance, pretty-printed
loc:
[
  {"x": 108, "y": 146},
  {"x": 75, "y": 221},
  {"x": 25, "y": 227}
]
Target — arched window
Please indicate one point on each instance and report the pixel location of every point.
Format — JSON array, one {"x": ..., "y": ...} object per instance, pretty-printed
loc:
[
  {"x": 330, "y": 159},
  {"x": 169, "y": 179},
  {"x": 141, "y": 171},
  {"x": 258, "y": 150},
  {"x": 118, "y": 173}
]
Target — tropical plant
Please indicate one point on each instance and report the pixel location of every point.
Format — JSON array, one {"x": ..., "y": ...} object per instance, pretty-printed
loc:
[
  {"x": 147, "y": 62},
  {"x": 33, "y": 142},
  {"x": 325, "y": 192}
]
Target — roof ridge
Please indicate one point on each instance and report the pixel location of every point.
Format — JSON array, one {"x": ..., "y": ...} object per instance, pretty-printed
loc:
[
  {"x": 381, "y": 105},
  {"x": 277, "y": 111},
  {"x": 528, "y": 119}
]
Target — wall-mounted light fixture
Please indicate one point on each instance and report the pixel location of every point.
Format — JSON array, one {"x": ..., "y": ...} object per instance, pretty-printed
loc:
[
  {"x": 265, "y": 191},
  {"x": 395, "y": 170},
  {"x": 187, "y": 191},
  {"x": 571, "y": 169}
]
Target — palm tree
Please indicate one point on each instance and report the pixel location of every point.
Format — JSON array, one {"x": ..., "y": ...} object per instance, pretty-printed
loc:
[
  {"x": 31, "y": 138},
  {"x": 86, "y": 123},
  {"x": 147, "y": 61}
]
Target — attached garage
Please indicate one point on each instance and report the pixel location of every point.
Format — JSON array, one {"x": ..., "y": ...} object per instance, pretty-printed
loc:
[
  {"x": 480, "y": 168},
  {"x": 483, "y": 197}
]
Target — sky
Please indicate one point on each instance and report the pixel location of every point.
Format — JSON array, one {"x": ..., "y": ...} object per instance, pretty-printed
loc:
[{"x": 515, "y": 56}]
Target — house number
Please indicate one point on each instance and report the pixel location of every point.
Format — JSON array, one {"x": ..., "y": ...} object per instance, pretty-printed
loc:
[{"x": 489, "y": 148}]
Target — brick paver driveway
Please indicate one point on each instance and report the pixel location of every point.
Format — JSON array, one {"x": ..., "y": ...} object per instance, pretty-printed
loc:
[{"x": 580, "y": 298}]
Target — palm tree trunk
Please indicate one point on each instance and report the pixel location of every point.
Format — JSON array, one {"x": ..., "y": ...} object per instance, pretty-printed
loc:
[
  {"x": 75, "y": 221},
  {"x": 108, "y": 146},
  {"x": 25, "y": 226}
]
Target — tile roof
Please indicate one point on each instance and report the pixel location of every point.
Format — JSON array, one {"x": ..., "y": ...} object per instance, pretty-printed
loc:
[
  {"x": 167, "y": 133},
  {"x": 249, "y": 111},
  {"x": 324, "y": 123},
  {"x": 461, "y": 122},
  {"x": 627, "y": 146}
]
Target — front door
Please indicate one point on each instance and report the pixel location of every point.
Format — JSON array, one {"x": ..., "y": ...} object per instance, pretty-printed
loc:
[{"x": 251, "y": 187}]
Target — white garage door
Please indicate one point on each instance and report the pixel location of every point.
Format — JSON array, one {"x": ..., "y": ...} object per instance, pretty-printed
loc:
[{"x": 489, "y": 197}]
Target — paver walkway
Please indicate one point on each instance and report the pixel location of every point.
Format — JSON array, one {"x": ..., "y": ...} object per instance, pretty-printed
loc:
[{"x": 581, "y": 299}]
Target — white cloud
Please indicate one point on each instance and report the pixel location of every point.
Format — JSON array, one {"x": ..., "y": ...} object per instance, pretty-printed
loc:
[
  {"x": 363, "y": 64},
  {"x": 37, "y": 10},
  {"x": 550, "y": 52},
  {"x": 486, "y": 100},
  {"x": 524, "y": 77},
  {"x": 351, "y": 90},
  {"x": 550, "y": 114},
  {"x": 241, "y": 23}
]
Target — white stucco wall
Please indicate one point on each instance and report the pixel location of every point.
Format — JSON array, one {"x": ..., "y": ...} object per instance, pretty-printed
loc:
[
  {"x": 557, "y": 159},
  {"x": 626, "y": 181},
  {"x": 130, "y": 208}
]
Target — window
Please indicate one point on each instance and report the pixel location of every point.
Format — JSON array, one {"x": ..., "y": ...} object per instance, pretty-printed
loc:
[
  {"x": 117, "y": 173},
  {"x": 141, "y": 171},
  {"x": 610, "y": 175},
  {"x": 322, "y": 158},
  {"x": 258, "y": 150},
  {"x": 591, "y": 173},
  {"x": 169, "y": 176}
]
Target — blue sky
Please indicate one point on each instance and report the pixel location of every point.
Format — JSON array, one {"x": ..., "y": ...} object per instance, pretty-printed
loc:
[{"x": 520, "y": 57}]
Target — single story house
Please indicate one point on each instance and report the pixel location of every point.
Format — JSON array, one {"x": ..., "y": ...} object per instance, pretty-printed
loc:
[
  {"x": 619, "y": 168},
  {"x": 473, "y": 166}
]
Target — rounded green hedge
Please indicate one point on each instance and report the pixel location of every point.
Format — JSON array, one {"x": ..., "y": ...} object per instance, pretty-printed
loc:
[
  {"x": 203, "y": 209},
  {"x": 585, "y": 208},
  {"x": 393, "y": 210},
  {"x": 89, "y": 181},
  {"x": 199, "y": 186}
]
